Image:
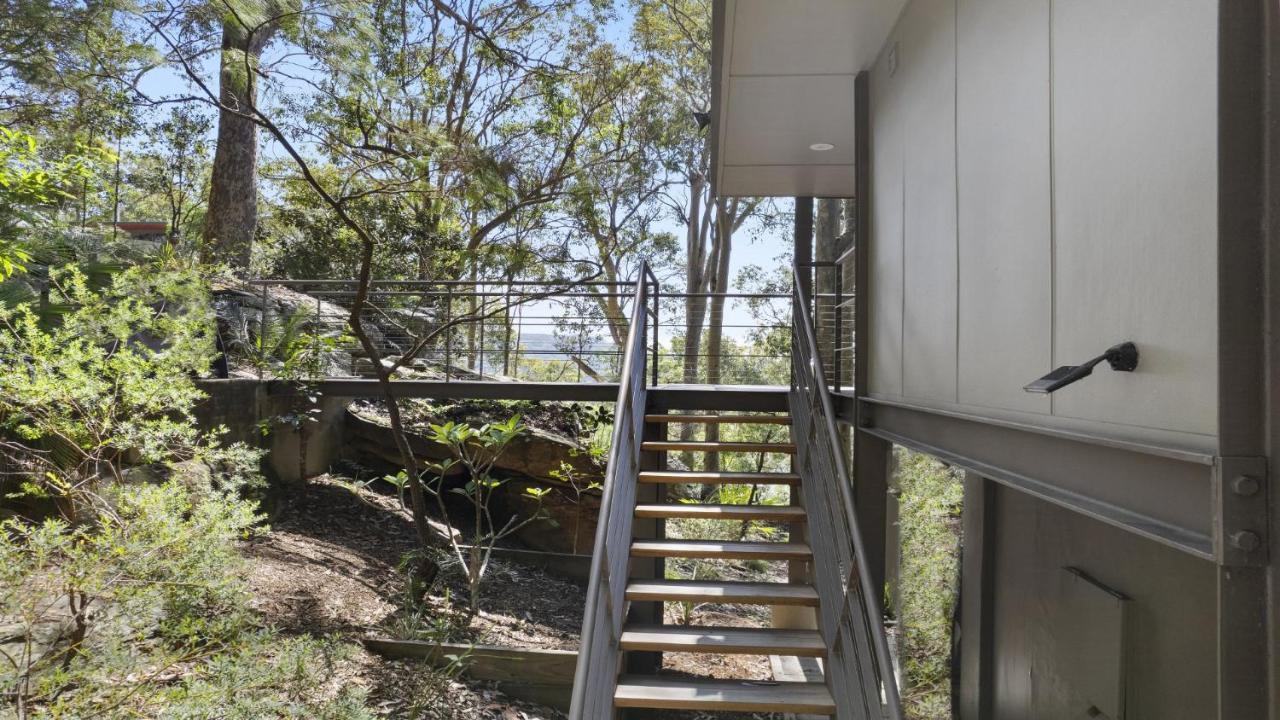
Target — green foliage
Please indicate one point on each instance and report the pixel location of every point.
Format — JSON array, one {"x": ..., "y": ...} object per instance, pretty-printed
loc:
[
  {"x": 294, "y": 347},
  {"x": 154, "y": 614},
  {"x": 303, "y": 239},
  {"x": 929, "y": 520},
  {"x": 169, "y": 179},
  {"x": 578, "y": 485},
  {"x": 113, "y": 379},
  {"x": 31, "y": 185},
  {"x": 134, "y": 602},
  {"x": 64, "y": 64},
  {"x": 446, "y": 130},
  {"x": 475, "y": 451}
]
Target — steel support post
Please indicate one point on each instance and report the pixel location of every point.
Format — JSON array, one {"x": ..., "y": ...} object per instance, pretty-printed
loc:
[
  {"x": 448, "y": 333},
  {"x": 977, "y": 615},
  {"x": 804, "y": 244},
  {"x": 872, "y": 465},
  {"x": 1247, "y": 404}
]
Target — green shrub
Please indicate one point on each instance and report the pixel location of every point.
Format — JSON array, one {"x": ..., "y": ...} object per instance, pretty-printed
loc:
[
  {"x": 111, "y": 384},
  {"x": 475, "y": 451},
  {"x": 131, "y": 600},
  {"x": 145, "y": 612},
  {"x": 929, "y": 526}
]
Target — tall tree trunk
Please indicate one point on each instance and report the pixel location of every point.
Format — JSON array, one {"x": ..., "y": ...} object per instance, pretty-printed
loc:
[
  {"x": 232, "y": 215},
  {"x": 719, "y": 284},
  {"x": 695, "y": 304},
  {"x": 726, "y": 210}
]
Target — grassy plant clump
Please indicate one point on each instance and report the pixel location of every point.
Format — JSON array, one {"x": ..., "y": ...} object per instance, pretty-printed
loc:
[
  {"x": 144, "y": 612},
  {"x": 929, "y": 526}
]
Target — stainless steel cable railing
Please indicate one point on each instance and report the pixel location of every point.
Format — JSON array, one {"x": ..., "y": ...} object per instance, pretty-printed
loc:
[
  {"x": 499, "y": 330},
  {"x": 859, "y": 669}
]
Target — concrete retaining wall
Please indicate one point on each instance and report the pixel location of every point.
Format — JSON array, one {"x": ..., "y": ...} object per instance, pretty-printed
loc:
[{"x": 244, "y": 407}]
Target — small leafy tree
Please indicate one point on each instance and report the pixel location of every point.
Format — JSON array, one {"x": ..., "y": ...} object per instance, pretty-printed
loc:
[
  {"x": 476, "y": 451},
  {"x": 171, "y": 177},
  {"x": 579, "y": 486}
]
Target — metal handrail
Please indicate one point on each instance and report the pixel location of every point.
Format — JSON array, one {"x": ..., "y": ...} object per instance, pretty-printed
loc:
[
  {"x": 599, "y": 654},
  {"x": 859, "y": 669}
]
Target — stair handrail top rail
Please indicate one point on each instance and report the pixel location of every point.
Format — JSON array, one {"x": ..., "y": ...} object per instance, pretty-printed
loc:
[
  {"x": 804, "y": 334},
  {"x": 626, "y": 392}
]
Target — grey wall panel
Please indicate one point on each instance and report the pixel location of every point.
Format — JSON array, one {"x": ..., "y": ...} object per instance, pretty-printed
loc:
[
  {"x": 1135, "y": 193},
  {"x": 1004, "y": 169},
  {"x": 1044, "y": 186},
  {"x": 926, "y": 72},
  {"x": 885, "y": 250},
  {"x": 1169, "y": 663}
]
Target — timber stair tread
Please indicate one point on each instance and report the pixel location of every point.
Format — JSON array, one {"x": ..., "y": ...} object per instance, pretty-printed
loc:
[
  {"x": 704, "y": 446},
  {"x": 713, "y": 591},
  {"x": 776, "y": 513},
  {"x": 718, "y": 419},
  {"x": 718, "y": 478},
  {"x": 720, "y": 550},
  {"x": 640, "y": 691},
  {"x": 726, "y": 640}
]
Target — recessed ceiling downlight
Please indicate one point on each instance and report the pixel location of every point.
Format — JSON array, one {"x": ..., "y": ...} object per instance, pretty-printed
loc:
[{"x": 821, "y": 147}]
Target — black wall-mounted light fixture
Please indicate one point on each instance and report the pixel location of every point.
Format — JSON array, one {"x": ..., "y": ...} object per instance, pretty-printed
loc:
[{"x": 1121, "y": 358}]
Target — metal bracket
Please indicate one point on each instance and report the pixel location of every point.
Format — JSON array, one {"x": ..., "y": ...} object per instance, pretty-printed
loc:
[{"x": 1240, "y": 524}]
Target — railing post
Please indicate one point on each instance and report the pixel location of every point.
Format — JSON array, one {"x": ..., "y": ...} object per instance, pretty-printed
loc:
[
  {"x": 657, "y": 304},
  {"x": 480, "y": 345},
  {"x": 315, "y": 341},
  {"x": 506, "y": 331},
  {"x": 836, "y": 349},
  {"x": 448, "y": 332},
  {"x": 262, "y": 333}
]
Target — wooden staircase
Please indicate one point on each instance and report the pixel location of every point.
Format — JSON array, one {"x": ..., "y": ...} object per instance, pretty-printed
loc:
[
  {"x": 656, "y": 691},
  {"x": 623, "y": 635}
]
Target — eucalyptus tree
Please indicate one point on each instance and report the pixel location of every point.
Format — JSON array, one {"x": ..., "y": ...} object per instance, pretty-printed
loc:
[
  {"x": 674, "y": 37},
  {"x": 246, "y": 29},
  {"x": 466, "y": 115},
  {"x": 613, "y": 211}
]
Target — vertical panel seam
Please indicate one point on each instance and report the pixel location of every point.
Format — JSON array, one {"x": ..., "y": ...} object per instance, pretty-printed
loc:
[
  {"x": 902, "y": 228},
  {"x": 902, "y": 256},
  {"x": 955, "y": 147},
  {"x": 1053, "y": 211}
]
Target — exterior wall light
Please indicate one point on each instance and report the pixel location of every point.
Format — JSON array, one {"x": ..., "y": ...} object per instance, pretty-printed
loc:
[{"x": 1121, "y": 358}]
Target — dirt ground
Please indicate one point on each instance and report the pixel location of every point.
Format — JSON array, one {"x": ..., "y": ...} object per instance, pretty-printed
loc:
[{"x": 329, "y": 565}]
